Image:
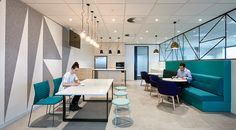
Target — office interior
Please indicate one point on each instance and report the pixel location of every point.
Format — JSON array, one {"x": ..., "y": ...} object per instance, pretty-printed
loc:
[{"x": 41, "y": 39}]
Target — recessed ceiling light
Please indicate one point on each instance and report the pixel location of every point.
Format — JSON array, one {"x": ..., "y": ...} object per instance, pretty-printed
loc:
[
  {"x": 115, "y": 31},
  {"x": 141, "y": 38},
  {"x": 178, "y": 31},
  {"x": 146, "y": 31},
  {"x": 70, "y": 19},
  {"x": 156, "y": 19},
  {"x": 113, "y": 20},
  {"x": 199, "y": 20},
  {"x": 71, "y": 28}
]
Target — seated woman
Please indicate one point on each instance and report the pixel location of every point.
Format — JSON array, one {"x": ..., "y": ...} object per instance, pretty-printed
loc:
[{"x": 70, "y": 79}]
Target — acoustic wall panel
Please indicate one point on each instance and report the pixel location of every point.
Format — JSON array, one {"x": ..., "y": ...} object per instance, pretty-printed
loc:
[
  {"x": 38, "y": 66},
  {"x": 35, "y": 21},
  {"x": 56, "y": 33},
  {"x": 15, "y": 19},
  {"x": 2, "y": 58},
  {"x": 18, "y": 96}
]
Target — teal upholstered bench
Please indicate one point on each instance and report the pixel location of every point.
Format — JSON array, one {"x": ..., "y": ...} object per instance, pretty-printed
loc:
[{"x": 205, "y": 92}]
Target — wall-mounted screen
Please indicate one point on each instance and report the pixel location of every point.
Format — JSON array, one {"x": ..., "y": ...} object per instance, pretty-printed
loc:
[{"x": 74, "y": 39}]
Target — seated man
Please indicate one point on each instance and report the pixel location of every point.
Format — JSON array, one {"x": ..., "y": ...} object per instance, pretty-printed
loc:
[
  {"x": 183, "y": 73},
  {"x": 70, "y": 79}
]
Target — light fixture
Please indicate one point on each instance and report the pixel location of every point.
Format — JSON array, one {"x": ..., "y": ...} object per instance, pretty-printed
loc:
[
  {"x": 118, "y": 50},
  {"x": 113, "y": 20},
  {"x": 101, "y": 51},
  {"x": 174, "y": 44},
  {"x": 82, "y": 33},
  {"x": 200, "y": 20},
  {"x": 156, "y": 19},
  {"x": 110, "y": 51},
  {"x": 88, "y": 38},
  {"x": 92, "y": 42},
  {"x": 70, "y": 19},
  {"x": 156, "y": 50},
  {"x": 146, "y": 31}
]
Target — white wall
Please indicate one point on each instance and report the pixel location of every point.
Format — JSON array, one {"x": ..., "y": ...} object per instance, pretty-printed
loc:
[
  {"x": 233, "y": 86},
  {"x": 84, "y": 56},
  {"x": 154, "y": 63},
  {"x": 114, "y": 57},
  {"x": 2, "y": 58}
]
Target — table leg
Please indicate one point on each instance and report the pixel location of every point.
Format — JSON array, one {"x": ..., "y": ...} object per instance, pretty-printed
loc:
[
  {"x": 107, "y": 108},
  {"x": 112, "y": 91},
  {"x": 64, "y": 108}
]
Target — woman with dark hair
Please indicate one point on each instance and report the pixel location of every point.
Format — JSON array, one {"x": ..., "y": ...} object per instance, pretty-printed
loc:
[{"x": 70, "y": 79}]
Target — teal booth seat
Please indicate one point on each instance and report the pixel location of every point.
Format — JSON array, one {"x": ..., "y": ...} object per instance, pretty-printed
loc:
[{"x": 210, "y": 89}]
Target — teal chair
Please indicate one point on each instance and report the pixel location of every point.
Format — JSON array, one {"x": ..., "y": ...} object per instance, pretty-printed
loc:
[
  {"x": 42, "y": 97},
  {"x": 57, "y": 84}
]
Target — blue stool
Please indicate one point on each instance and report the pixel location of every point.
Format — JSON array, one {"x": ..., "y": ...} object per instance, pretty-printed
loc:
[
  {"x": 120, "y": 94},
  {"x": 120, "y": 102},
  {"x": 121, "y": 88}
]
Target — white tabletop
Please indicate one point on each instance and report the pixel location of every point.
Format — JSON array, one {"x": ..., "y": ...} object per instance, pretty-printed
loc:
[
  {"x": 155, "y": 74},
  {"x": 110, "y": 69},
  {"x": 89, "y": 87},
  {"x": 174, "y": 79}
]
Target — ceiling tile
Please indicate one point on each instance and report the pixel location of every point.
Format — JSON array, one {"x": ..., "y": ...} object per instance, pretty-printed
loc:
[
  {"x": 53, "y": 9},
  {"x": 138, "y": 9},
  {"x": 109, "y": 1},
  {"x": 172, "y": 1},
  {"x": 192, "y": 9},
  {"x": 108, "y": 19},
  {"x": 140, "y": 1},
  {"x": 165, "y": 9},
  {"x": 218, "y": 9},
  {"x": 111, "y": 9}
]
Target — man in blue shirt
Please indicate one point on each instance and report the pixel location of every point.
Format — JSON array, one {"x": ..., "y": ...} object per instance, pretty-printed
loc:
[{"x": 184, "y": 73}]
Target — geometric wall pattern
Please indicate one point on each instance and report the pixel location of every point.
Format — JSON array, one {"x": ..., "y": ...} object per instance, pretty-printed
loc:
[{"x": 33, "y": 48}]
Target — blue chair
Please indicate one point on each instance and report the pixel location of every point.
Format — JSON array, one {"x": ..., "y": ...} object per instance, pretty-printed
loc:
[
  {"x": 42, "y": 97},
  {"x": 168, "y": 89},
  {"x": 145, "y": 76},
  {"x": 153, "y": 81}
]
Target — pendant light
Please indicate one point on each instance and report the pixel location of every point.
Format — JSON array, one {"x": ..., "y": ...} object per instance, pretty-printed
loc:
[
  {"x": 82, "y": 33},
  {"x": 101, "y": 51},
  {"x": 110, "y": 51},
  {"x": 156, "y": 51},
  {"x": 118, "y": 50},
  {"x": 88, "y": 38},
  {"x": 174, "y": 44},
  {"x": 92, "y": 42}
]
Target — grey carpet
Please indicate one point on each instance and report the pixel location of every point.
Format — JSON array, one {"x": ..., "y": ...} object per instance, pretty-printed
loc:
[{"x": 90, "y": 110}]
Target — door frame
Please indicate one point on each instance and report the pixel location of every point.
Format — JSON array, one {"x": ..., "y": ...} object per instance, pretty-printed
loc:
[{"x": 135, "y": 60}]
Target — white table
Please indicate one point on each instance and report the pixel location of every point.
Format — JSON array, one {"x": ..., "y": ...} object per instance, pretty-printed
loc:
[
  {"x": 175, "y": 79},
  {"x": 88, "y": 87}
]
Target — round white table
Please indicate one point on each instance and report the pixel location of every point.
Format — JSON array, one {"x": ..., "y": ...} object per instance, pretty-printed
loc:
[{"x": 175, "y": 79}]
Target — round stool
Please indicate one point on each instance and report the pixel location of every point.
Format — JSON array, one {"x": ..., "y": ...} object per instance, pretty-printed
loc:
[
  {"x": 121, "y": 88},
  {"x": 120, "y": 102},
  {"x": 120, "y": 94}
]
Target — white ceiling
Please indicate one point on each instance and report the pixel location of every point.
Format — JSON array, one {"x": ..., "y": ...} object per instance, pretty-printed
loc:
[{"x": 186, "y": 12}]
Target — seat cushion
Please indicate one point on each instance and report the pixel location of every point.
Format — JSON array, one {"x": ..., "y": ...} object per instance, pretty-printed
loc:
[
  {"x": 201, "y": 95},
  {"x": 50, "y": 100}
]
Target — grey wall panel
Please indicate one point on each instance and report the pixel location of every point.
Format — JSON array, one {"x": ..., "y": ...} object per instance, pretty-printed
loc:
[
  {"x": 65, "y": 49},
  {"x": 47, "y": 76},
  {"x": 15, "y": 18},
  {"x": 34, "y": 26},
  {"x": 49, "y": 47}
]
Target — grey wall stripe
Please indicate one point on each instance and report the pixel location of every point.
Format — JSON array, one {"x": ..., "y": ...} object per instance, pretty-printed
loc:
[
  {"x": 35, "y": 21},
  {"x": 49, "y": 47},
  {"x": 47, "y": 76},
  {"x": 65, "y": 49},
  {"x": 15, "y": 18}
]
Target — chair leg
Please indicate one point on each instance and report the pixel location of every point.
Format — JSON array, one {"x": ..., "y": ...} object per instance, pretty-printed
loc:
[
  {"x": 141, "y": 82},
  {"x": 47, "y": 110},
  {"x": 52, "y": 115},
  {"x": 150, "y": 90},
  {"x": 173, "y": 100},
  {"x": 30, "y": 115},
  {"x": 177, "y": 99}
]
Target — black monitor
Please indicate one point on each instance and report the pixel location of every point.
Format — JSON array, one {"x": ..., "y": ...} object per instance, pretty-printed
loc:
[{"x": 74, "y": 39}]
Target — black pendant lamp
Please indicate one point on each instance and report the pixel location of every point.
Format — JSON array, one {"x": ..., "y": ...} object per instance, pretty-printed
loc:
[
  {"x": 110, "y": 51},
  {"x": 118, "y": 50},
  {"x": 156, "y": 51},
  {"x": 101, "y": 51}
]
